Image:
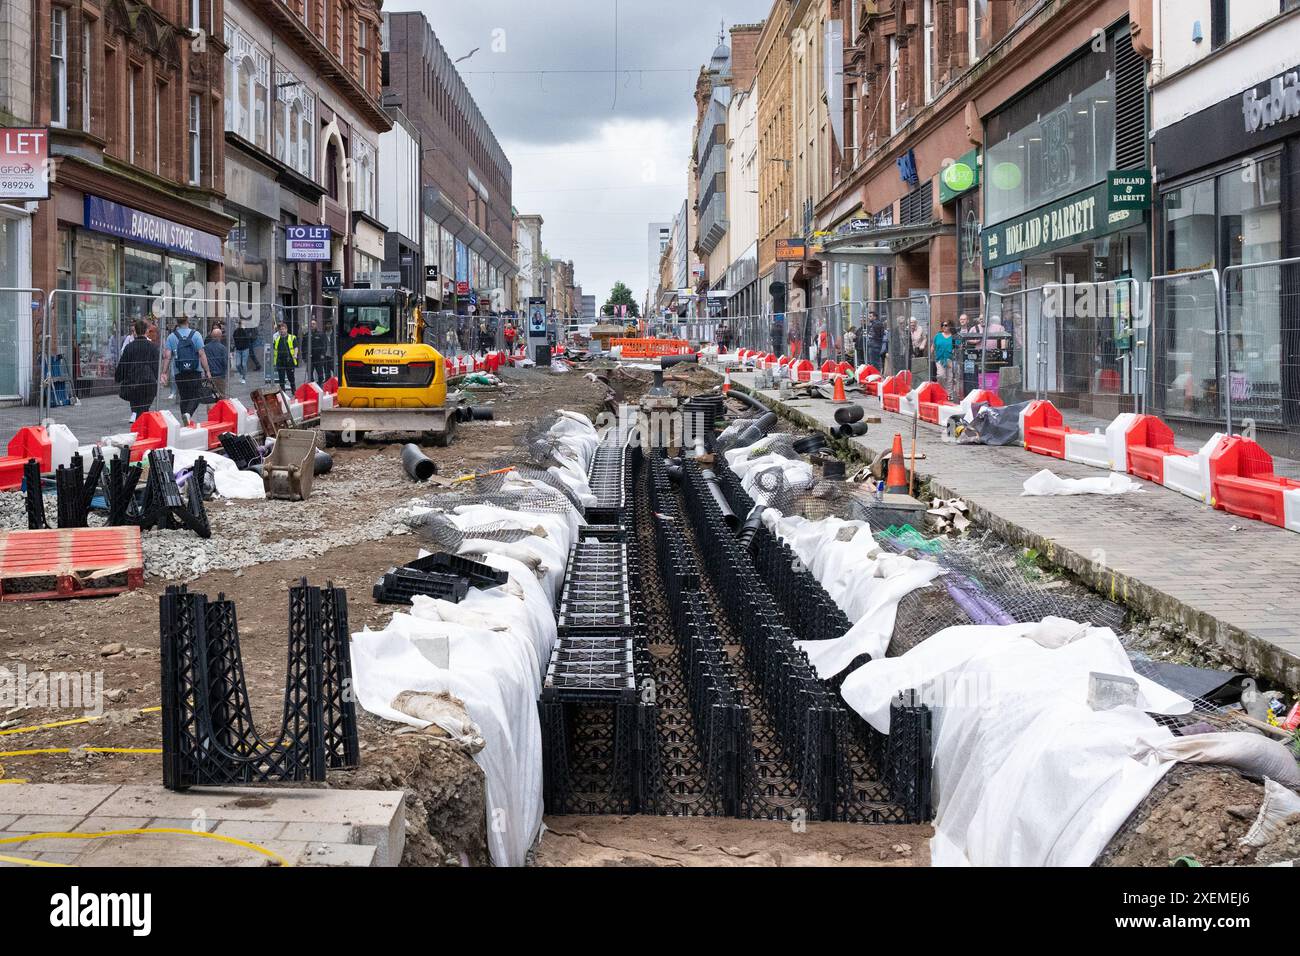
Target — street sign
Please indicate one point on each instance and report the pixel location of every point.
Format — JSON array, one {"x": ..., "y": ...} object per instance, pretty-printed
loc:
[
  {"x": 24, "y": 163},
  {"x": 307, "y": 243},
  {"x": 390, "y": 278},
  {"x": 791, "y": 250},
  {"x": 430, "y": 273},
  {"x": 1128, "y": 189}
]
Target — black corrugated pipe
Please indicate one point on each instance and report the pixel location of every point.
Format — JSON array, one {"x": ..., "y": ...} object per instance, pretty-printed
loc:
[
  {"x": 750, "y": 528},
  {"x": 673, "y": 468},
  {"x": 749, "y": 400},
  {"x": 668, "y": 361},
  {"x": 715, "y": 489},
  {"x": 322, "y": 463},
  {"x": 417, "y": 464}
]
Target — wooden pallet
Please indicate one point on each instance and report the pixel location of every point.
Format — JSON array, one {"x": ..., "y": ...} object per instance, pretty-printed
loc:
[{"x": 83, "y": 562}]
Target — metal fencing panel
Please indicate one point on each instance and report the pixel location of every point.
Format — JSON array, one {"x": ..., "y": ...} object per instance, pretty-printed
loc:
[
  {"x": 1187, "y": 367},
  {"x": 1086, "y": 346},
  {"x": 1261, "y": 322}
]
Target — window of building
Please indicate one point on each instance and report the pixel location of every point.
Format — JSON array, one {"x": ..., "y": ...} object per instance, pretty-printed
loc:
[
  {"x": 248, "y": 88},
  {"x": 295, "y": 125},
  {"x": 363, "y": 158},
  {"x": 893, "y": 85},
  {"x": 1220, "y": 27},
  {"x": 196, "y": 14},
  {"x": 157, "y": 130},
  {"x": 363, "y": 55},
  {"x": 1225, "y": 220},
  {"x": 132, "y": 83},
  {"x": 332, "y": 170},
  {"x": 196, "y": 139},
  {"x": 977, "y": 27},
  {"x": 58, "y": 66},
  {"x": 85, "y": 76},
  {"x": 928, "y": 43}
]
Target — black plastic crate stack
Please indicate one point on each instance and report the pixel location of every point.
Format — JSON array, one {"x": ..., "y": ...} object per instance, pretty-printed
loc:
[
  {"x": 800, "y": 708},
  {"x": 597, "y": 726},
  {"x": 607, "y": 482},
  {"x": 865, "y": 775},
  {"x": 720, "y": 721},
  {"x": 208, "y": 735}
]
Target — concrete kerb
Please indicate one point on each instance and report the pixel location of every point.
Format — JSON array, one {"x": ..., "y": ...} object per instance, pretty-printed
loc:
[{"x": 1243, "y": 649}]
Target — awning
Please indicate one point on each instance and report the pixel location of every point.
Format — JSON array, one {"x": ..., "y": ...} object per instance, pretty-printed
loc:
[{"x": 878, "y": 246}]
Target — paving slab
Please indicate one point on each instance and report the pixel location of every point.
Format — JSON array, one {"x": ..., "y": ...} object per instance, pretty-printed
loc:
[
  {"x": 318, "y": 827},
  {"x": 1230, "y": 582}
]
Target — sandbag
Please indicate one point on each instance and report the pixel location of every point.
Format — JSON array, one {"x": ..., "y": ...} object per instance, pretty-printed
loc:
[
  {"x": 1280, "y": 809},
  {"x": 1254, "y": 755}
]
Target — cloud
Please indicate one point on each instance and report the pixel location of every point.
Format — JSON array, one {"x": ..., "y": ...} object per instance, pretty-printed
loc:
[{"x": 598, "y": 155}]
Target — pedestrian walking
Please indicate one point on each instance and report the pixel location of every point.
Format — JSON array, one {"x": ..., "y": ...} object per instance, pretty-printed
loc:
[
  {"x": 875, "y": 341},
  {"x": 284, "y": 349},
  {"x": 242, "y": 341},
  {"x": 218, "y": 360},
  {"x": 184, "y": 357},
  {"x": 851, "y": 345},
  {"x": 944, "y": 364},
  {"x": 136, "y": 374}
]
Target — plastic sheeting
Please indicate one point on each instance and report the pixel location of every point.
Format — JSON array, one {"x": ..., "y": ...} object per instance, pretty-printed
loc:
[
  {"x": 1025, "y": 772},
  {"x": 230, "y": 482},
  {"x": 864, "y": 582},
  {"x": 498, "y": 641},
  {"x": 1047, "y": 482}
]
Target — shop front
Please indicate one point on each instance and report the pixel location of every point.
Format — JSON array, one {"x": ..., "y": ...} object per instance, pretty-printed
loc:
[
  {"x": 17, "y": 305},
  {"x": 1226, "y": 202},
  {"x": 119, "y": 265},
  {"x": 1063, "y": 260}
]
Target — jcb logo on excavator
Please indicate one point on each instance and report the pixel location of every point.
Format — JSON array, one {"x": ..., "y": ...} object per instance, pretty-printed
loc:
[{"x": 387, "y": 370}]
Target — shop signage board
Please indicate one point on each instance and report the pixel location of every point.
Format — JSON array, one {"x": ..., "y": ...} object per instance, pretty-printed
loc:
[
  {"x": 1079, "y": 216},
  {"x": 307, "y": 243},
  {"x": 1128, "y": 189},
  {"x": 791, "y": 250},
  {"x": 331, "y": 281},
  {"x": 103, "y": 215},
  {"x": 959, "y": 177},
  {"x": 24, "y": 163}
]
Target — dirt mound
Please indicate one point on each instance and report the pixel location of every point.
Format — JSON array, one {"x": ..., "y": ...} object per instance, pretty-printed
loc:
[
  {"x": 1197, "y": 811},
  {"x": 446, "y": 799}
]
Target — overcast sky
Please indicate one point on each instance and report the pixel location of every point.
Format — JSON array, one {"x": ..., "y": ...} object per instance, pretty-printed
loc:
[{"x": 598, "y": 155}]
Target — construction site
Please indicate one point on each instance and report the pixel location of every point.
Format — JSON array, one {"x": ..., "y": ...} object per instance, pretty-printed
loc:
[{"x": 675, "y": 609}]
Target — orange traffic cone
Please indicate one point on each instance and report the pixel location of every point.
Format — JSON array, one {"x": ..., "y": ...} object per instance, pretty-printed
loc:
[
  {"x": 839, "y": 398},
  {"x": 896, "y": 478},
  {"x": 726, "y": 381}
]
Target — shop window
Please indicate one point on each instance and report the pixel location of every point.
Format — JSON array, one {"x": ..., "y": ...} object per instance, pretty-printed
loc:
[
  {"x": 85, "y": 76},
  {"x": 58, "y": 66},
  {"x": 1056, "y": 140},
  {"x": 1232, "y": 219},
  {"x": 248, "y": 88}
]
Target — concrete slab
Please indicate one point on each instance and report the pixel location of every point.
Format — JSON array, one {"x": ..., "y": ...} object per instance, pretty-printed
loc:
[
  {"x": 1231, "y": 582},
  {"x": 320, "y": 827}
]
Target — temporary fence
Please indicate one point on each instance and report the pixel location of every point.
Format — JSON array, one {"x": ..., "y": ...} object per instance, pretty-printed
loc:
[
  {"x": 17, "y": 306},
  {"x": 1261, "y": 328}
]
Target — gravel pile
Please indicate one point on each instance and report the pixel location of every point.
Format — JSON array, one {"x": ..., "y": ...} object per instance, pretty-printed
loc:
[{"x": 346, "y": 508}]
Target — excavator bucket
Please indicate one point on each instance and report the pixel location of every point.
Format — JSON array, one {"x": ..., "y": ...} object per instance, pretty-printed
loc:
[{"x": 287, "y": 474}]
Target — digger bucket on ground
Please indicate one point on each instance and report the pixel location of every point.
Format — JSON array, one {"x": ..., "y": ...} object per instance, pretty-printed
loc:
[{"x": 287, "y": 474}]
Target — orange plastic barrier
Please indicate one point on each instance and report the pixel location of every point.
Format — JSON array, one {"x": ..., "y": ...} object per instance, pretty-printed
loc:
[
  {"x": 151, "y": 428},
  {"x": 1045, "y": 429},
  {"x": 1148, "y": 442},
  {"x": 31, "y": 441},
  {"x": 928, "y": 399},
  {"x": 223, "y": 416},
  {"x": 1242, "y": 482},
  {"x": 893, "y": 388},
  {"x": 650, "y": 348},
  {"x": 309, "y": 398}
]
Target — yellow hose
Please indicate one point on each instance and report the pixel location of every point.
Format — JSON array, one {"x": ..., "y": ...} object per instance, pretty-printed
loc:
[{"x": 220, "y": 837}]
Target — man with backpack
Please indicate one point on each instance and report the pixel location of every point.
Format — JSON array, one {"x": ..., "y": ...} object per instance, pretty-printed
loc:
[{"x": 184, "y": 352}]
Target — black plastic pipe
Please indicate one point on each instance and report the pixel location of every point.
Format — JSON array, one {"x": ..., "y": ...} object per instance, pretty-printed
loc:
[
  {"x": 668, "y": 361},
  {"x": 322, "y": 463},
  {"x": 750, "y": 528},
  {"x": 715, "y": 489},
  {"x": 417, "y": 464},
  {"x": 849, "y": 414}
]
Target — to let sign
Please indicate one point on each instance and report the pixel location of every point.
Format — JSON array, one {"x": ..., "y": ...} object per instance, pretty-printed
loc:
[
  {"x": 307, "y": 243},
  {"x": 791, "y": 250},
  {"x": 24, "y": 163},
  {"x": 1128, "y": 189}
]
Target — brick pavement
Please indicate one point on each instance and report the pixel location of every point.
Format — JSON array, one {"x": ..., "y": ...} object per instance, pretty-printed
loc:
[
  {"x": 1230, "y": 582},
  {"x": 310, "y": 827}
]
